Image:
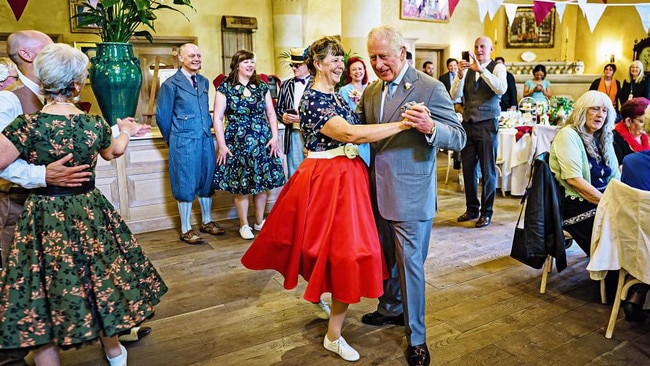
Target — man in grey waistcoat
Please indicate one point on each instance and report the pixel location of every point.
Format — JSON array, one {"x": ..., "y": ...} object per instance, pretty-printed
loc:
[{"x": 481, "y": 84}]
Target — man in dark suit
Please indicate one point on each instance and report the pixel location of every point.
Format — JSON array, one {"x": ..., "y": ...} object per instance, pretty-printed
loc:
[
  {"x": 509, "y": 98},
  {"x": 291, "y": 91},
  {"x": 447, "y": 78},
  {"x": 182, "y": 114},
  {"x": 481, "y": 84},
  {"x": 403, "y": 179}
]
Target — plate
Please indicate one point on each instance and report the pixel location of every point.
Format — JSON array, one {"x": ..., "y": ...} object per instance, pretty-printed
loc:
[{"x": 528, "y": 56}]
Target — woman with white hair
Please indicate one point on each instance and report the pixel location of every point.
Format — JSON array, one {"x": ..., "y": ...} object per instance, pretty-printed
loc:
[
  {"x": 583, "y": 160},
  {"x": 75, "y": 272},
  {"x": 635, "y": 84}
]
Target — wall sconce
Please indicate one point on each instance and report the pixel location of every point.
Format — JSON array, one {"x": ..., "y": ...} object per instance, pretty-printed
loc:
[{"x": 612, "y": 58}]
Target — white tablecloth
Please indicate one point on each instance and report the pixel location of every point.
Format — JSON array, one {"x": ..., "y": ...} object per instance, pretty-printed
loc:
[{"x": 518, "y": 155}]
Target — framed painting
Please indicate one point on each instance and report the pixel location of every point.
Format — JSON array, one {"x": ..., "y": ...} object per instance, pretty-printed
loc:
[
  {"x": 76, "y": 7},
  {"x": 426, "y": 10},
  {"x": 525, "y": 33}
]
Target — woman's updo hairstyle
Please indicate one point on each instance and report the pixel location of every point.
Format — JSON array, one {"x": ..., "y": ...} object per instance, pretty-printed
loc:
[{"x": 320, "y": 49}]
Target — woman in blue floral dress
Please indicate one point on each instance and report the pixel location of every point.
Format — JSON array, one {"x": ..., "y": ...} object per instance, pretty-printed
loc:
[
  {"x": 248, "y": 159},
  {"x": 75, "y": 272}
]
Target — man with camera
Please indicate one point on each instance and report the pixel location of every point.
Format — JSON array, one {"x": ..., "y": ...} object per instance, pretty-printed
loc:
[
  {"x": 289, "y": 97},
  {"x": 481, "y": 83}
]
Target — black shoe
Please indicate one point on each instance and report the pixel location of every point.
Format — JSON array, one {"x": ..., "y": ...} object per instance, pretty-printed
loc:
[
  {"x": 633, "y": 312},
  {"x": 483, "y": 221},
  {"x": 134, "y": 334},
  {"x": 418, "y": 355},
  {"x": 467, "y": 216},
  {"x": 377, "y": 319}
]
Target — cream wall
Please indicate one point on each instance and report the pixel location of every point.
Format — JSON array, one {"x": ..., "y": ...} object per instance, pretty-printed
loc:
[
  {"x": 616, "y": 30},
  {"x": 615, "y": 33}
]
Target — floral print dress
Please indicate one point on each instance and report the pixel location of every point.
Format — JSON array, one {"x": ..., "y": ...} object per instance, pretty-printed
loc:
[
  {"x": 251, "y": 169},
  {"x": 74, "y": 268}
]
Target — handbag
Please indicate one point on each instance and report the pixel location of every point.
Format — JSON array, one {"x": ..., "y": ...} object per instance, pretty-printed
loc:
[{"x": 520, "y": 247}]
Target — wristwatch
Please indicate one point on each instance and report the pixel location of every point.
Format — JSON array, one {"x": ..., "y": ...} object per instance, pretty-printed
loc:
[{"x": 433, "y": 129}]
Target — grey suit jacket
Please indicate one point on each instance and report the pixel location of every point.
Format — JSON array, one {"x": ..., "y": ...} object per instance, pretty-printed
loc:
[{"x": 403, "y": 169}]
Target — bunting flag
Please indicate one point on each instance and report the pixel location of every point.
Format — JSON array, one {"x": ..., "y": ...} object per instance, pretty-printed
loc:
[
  {"x": 17, "y": 6},
  {"x": 482, "y": 9},
  {"x": 592, "y": 12},
  {"x": 452, "y": 6},
  {"x": 541, "y": 10},
  {"x": 93, "y": 3},
  {"x": 560, "y": 7},
  {"x": 493, "y": 7},
  {"x": 511, "y": 10},
  {"x": 644, "y": 13}
]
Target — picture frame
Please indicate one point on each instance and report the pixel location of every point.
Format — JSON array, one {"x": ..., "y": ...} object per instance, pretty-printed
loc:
[
  {"x": 76, "y": 7},
  {"x": 425, "y": 10},
  {"x": 525, "y": 33}
]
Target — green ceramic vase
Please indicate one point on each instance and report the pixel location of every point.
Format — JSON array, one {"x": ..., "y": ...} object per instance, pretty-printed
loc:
[{"x": 116, "y": 78}]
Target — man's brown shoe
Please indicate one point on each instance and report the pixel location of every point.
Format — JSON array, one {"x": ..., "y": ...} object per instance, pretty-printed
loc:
[
  {"x": 212, "y": 228},
  {"x": 192, "y": 237}
]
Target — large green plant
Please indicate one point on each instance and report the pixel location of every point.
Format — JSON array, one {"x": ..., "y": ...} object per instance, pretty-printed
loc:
[{"x": 119, "y": 19}]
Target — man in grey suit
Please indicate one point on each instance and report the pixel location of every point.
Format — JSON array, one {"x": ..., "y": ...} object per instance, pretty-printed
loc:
[{"x": 403, "y": 179}]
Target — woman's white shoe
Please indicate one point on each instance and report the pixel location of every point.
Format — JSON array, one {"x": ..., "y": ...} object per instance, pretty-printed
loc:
[
  {"x": 322, "y": 310},
  {"x": 342, "y": 348},
  {"x": 121, "y": 359},
  {"x": 246, "y": 233}
]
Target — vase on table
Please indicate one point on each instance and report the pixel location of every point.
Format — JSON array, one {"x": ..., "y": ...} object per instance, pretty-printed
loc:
[{"x": 116, "y": 78}]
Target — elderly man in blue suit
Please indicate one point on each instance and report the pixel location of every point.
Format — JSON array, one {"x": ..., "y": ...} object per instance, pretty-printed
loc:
[
  {"x": 403, "y": 179},
  {"x": 183, "y": 115}
]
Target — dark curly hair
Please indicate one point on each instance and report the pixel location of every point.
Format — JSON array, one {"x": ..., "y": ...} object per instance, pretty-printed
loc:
[
  {"x": 320, "y": 49},
  {"x": 237, "y": 58},
  {"x": 348, "y": 77}
]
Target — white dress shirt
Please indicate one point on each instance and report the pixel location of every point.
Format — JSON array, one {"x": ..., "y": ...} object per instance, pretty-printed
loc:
[
  {"x": 496, "y": 80},
  {"x": 19, "y": 172}
]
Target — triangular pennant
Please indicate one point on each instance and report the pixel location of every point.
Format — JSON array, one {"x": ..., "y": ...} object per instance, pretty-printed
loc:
[
  {"x": 482, "y": 9},
  {"x": 560, "y": 7},
  {"x": 604, "y": 1},
  {"x": 644, "y": 13},
  {"x": 511, "y": 11},
  {"x": 493, "y": 7},
  {"x": 452, "y": 6},
  {"x": 93, "y": 3},
  {"x": 593, "y": 12},
  {"x": 17, "y": 6},
  {"x": 541, "y": 10}
]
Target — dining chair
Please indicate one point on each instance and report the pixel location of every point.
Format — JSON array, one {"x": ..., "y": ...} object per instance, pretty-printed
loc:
[{"x": 621, "y": 241}]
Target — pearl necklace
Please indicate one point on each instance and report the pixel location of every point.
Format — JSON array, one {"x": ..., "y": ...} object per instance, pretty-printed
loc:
[{"x": 54, "y": 102}]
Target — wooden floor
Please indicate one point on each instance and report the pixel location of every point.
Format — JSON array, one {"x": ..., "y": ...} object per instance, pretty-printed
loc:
[{"x": 483, "y": 308}]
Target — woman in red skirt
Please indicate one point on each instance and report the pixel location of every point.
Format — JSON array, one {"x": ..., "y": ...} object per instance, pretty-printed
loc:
[{"x": 322, "y": 227}]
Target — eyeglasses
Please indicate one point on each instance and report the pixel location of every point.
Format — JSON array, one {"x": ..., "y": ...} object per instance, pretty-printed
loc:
[{"x": 295, "y": 66}]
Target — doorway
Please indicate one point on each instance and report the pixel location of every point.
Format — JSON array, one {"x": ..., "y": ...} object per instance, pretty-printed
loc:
[{"x": 434, "y": 53}]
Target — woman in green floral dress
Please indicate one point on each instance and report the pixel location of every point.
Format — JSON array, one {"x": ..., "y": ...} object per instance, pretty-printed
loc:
[{"x": 75, "y": 272}]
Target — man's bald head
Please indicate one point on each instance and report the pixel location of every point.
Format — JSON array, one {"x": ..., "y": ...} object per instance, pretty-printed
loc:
[{"x": 23, "y": 46}]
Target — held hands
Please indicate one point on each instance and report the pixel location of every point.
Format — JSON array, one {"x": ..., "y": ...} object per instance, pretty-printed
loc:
[
  {"x": 131, "y": 127},
  {"x": 418, "y": 116}
]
